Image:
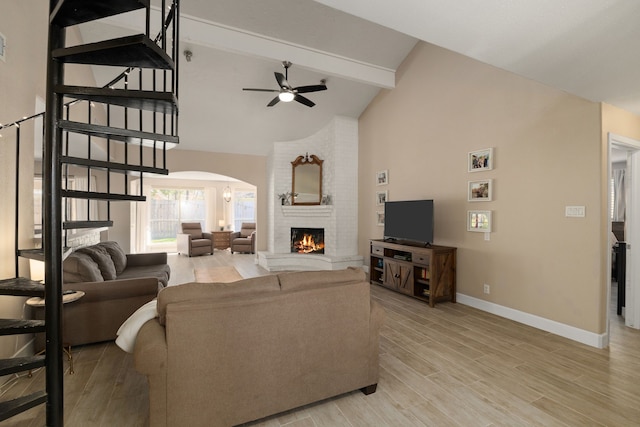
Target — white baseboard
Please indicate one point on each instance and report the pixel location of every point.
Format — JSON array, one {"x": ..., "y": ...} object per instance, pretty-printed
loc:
[{"x": 557, "y": 328}]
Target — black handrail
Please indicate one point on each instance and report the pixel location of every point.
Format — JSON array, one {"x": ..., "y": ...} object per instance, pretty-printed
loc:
[{"x": 17, "y": 213}]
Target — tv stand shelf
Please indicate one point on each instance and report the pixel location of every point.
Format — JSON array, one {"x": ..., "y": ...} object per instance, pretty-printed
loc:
[{"x": 426, "y": 273}]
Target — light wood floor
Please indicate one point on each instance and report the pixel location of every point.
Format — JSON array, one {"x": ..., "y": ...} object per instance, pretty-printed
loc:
[{"x": 447, "y": 366}]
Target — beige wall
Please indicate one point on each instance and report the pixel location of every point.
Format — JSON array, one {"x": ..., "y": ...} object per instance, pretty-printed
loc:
[
  {"x": 247, "y": 168},
  {"x": 547, "y": 152},
  {"x": 621, "y": 122}
]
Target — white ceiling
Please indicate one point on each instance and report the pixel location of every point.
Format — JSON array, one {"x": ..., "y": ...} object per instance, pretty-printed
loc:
[
  {"x": 585, "y": 47},
  {"x": 590, "y": 48}
]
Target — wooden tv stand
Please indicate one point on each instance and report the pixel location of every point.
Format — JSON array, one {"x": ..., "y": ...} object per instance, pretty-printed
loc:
[{"x": 426, "y": 273}]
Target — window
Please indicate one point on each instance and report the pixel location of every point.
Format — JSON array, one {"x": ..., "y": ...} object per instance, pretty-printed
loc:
[
  {"x": 169, "y": 207},
  {"x": 244, "y": 208}
]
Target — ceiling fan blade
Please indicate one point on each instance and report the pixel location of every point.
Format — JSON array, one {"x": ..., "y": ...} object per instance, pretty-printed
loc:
[
  {"x": 306, "y": 101},
  {"x": 260, "y": 90},
  {"x": 282, "y": 81},
  {"x": 274, "y": 101},
  {"x": 311, "y": 88}
]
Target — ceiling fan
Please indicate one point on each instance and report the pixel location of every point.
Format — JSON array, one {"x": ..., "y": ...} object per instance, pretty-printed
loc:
[{"x": 287, "y": 93}]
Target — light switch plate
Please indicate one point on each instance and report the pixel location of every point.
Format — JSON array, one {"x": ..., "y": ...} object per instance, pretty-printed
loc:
[
  {"x": 575, "y": 211},
  {"x": 3, "y": 47}
]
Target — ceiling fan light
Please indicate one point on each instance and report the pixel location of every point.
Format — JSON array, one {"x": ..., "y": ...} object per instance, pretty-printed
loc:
[{"x": 286, "y": 96}]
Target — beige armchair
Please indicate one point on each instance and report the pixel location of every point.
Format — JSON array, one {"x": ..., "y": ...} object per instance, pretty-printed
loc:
[
  {"x": 192, "y": 241},
  {"x": 245, "y": 239}
]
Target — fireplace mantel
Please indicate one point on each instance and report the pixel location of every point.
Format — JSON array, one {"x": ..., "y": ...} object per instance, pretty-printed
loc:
[{"x": 307, "y": 211}]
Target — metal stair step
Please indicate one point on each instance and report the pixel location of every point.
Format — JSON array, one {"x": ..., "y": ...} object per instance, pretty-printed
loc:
[
  {"x": 159, "y": 102},
  {"x": 20, "y": 286},
  {"x": 38, "y": 254},
  {"x": 94, "y": 195},
  {"x": 137, "y": 51},
  {"x": 131, "y": 136},
  {"x": 74, "y": 225},
  {"x": 20, "y": 364},
  {"x": 20, "y": 326},
  {"x": 72, "y": 12},
  {"x": 14, "y": 407},
  {"x": 128, "y": 169}
]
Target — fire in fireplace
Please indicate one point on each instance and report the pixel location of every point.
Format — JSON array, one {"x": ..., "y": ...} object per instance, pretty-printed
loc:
[{"x": 307, "y": 240}]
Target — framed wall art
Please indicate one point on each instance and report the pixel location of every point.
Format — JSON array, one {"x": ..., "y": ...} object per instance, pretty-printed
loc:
[
  {"x": 382, "y": 177},
  {"x": 381, "y": 197},
  {"x": 479, "y": 221},
  {"x": 480, "y": 191},
  {"x": 380, "y": 218},
  {"x": 480, "y": 160}
]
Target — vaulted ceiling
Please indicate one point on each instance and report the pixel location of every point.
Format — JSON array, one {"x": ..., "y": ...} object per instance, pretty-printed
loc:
[{"x": 586, "y": 47}]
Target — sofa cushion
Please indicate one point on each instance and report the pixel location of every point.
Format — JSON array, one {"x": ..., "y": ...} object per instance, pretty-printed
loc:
[
  {"x": 118, "y": 256},
  {"x": 159, "y": 271},
  {"x": 101, "y": 257},
  {"x": 214, "y": 291},
  {"x": 80, "y": 267},
  {"x": 199, "y": 243},
  {"x": 299, "y": 280}
]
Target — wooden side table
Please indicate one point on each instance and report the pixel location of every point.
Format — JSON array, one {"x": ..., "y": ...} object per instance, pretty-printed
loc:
[
  {"x": 66, "y": 298},
  {"x": 38, "y": 303},
  {"x": 221, "y": 239}
]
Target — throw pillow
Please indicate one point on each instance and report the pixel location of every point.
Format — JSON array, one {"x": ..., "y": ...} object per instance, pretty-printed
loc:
[
  {"x": 103, "y": 259},
  {"x": 118, "y": 256},
  {"x": 80, "y": 267}
]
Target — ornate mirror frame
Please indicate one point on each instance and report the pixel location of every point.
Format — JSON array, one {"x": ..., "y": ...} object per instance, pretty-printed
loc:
[{"x": 306, "y": 183}]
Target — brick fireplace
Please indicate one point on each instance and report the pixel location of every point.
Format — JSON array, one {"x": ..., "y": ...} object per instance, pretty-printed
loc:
[{"x": 337, "y": 145}]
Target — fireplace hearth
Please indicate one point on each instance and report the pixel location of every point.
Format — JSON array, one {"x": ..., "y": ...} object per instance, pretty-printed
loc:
[{"x": 307, "y": 240}]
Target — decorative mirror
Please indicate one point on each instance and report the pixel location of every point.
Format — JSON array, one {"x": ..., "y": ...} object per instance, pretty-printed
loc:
[{"x": 307, "y": 180}]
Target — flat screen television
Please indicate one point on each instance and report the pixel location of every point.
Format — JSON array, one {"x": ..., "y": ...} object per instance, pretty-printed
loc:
[{"x": 409, "y": 221}]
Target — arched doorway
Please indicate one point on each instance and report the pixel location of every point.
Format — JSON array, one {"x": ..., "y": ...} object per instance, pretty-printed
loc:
[{"x": 216, "y": 201}]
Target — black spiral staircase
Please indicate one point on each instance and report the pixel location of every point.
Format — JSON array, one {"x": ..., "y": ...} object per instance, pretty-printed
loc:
[{"x": 139, "y": 123}]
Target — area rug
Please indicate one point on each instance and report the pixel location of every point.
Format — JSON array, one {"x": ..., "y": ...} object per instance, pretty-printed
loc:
[{"x": 217, "y": 274}]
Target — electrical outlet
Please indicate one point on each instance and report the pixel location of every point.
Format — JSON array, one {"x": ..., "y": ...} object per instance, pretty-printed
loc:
[{"x": 487, "y": 289}]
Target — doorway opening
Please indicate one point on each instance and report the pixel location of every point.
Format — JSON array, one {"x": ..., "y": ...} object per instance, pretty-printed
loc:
[{"x": 624, "y": 211}]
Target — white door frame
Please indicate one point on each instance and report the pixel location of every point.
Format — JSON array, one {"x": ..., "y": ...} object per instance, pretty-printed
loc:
[{"x": 632, "y": 228}]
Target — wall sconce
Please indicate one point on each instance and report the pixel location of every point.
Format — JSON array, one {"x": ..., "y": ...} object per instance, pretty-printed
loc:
[{"x": 226, "y": 194}]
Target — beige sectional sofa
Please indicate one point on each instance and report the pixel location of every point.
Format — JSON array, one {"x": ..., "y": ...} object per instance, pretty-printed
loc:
[
  {"x": 115, "y": 286},
  {"x": 228, "y": 353}
]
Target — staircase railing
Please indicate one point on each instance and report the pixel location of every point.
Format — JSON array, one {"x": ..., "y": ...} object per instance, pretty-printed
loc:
[
  {"x": 143, "y": 132},
  {"x": 140, "y": 106}
]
